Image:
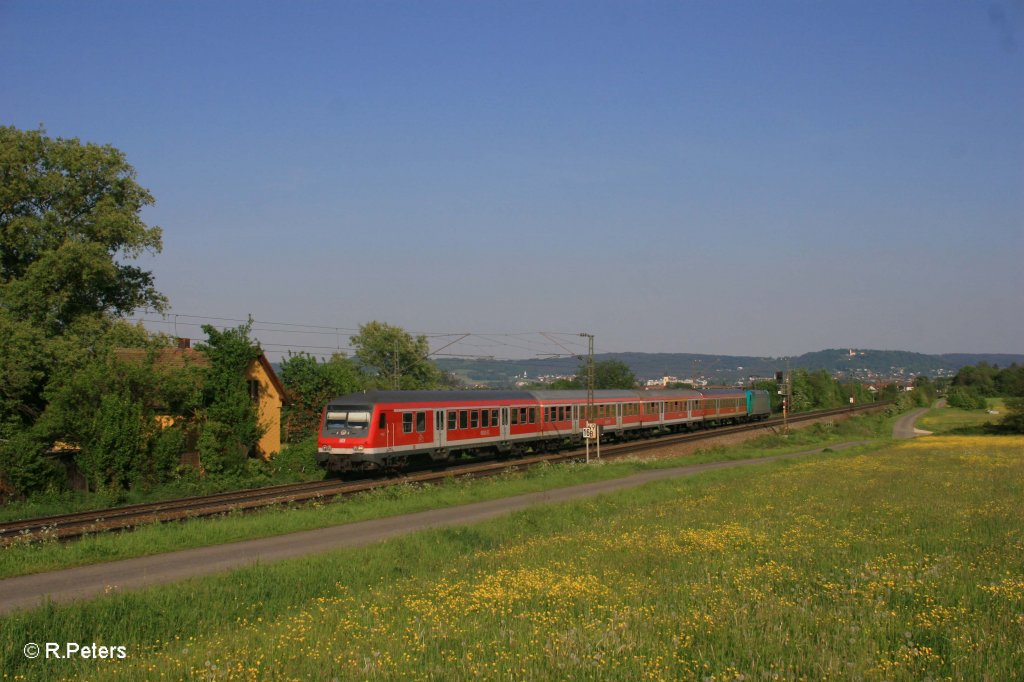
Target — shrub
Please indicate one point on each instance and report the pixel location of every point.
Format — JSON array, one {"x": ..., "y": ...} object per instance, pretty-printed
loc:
[
  {"x": 966, "y": 398},
  {"x": 1014, "y": 420}
]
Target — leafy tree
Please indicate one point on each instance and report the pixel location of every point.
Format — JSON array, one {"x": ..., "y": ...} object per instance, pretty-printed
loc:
[
  {"x": 1010, "y": 381},
  {"x": 394, "y": 358},
  {"x": 1014, "y": 419},
  {"x": 858, "y": 392},
  {"x": 608, "y": 374},
  {"x": 312, "y": 384},
  {"x": 924, "y": 391},
  {"x": 980, "y": 378},
  {"x": 231, "y": 429},
  {"x": 889, "y": 392},
  {"x": 966, "y": 398},
  {"x": 802, "y": 394},
  {"x": 69, "y": 218},
  {"x": 110, "y": 404},
  {"x": 68, "y": 213},
  {"x": 114, "y": 442}
]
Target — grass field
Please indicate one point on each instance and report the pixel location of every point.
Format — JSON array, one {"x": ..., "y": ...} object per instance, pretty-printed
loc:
[
  {"x": 36, "y": 556},
  {"x": 899, "y": 564},
  {"x": 951, "y": 420}
]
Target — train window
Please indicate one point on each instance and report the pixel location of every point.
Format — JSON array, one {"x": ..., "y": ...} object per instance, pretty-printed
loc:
[
  {"x": 463, "y": 419},
  {"x": 494, "y": 417},
  {"x": 439, "y": 420},
  {"x": 485, "y": 418},
  {"x": 561, "y": 414},
  {"x": 533, "y": 415},
  {"x": 407, "y": 422},
  {"x": 421, "y": 422},
  {"x": 382, "y": 421},
  {"x": 515, "y": 415},
  {"x": 474, "y": 419},
  {"x": 453, "y": 417},
  {"x": 524, "y": 417}
]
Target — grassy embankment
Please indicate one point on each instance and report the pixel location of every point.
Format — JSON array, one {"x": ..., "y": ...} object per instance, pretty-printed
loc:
[
  {"x": 951, "y": 420},
  {"x": 37, "y": 556},
  {"x": 898, "y": 564}
]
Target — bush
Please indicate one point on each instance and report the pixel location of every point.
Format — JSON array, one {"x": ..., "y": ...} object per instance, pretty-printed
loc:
[
  {"x": 113, "y": 443},
  {"x": 966, "y": 398},
  {"x": 220, "y": 451},
  {"x": 1014, "y": 420},
  {"x": 297, "y": 461},
  {"x": 23, "y": 469}
]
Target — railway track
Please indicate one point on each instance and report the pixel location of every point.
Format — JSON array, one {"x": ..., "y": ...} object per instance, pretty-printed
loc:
[{"x": 67, "y": 526}]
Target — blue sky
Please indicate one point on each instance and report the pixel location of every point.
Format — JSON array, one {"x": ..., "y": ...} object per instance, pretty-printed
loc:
[{"x": 712, "y": 177}]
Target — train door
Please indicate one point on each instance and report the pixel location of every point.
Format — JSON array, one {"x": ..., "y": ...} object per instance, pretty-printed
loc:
[
  {"x": 385, "y": 431},
  {"x": 504, "y": 423},
  {"x": 440, "y": 433}
]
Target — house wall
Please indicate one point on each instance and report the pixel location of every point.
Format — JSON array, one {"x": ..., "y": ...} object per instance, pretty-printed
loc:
[{"x": 269, "y": 409}]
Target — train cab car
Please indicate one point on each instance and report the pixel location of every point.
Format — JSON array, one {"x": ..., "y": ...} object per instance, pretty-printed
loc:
[{"x": 380, "y": 429}]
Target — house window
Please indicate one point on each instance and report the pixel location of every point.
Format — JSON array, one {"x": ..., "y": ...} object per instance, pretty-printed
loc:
[{"x": 254, "y": 390}]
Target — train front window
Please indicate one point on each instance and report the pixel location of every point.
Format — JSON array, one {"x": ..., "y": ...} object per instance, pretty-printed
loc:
[{"x": 344, "y": 421}]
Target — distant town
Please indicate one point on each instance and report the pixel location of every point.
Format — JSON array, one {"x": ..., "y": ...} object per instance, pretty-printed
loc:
[{"x": 874, "y": 368}]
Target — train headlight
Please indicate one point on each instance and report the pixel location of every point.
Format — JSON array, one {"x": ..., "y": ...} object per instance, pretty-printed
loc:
[{"x": 357, "y": 449}]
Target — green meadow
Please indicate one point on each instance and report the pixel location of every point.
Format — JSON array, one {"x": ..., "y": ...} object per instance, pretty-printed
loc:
[
  {"x": 899, "y": 563},
  {"x": 952, "y": 420}
]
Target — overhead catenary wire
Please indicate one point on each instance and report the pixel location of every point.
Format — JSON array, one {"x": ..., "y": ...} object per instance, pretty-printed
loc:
[{"x": 279, "y": 337}]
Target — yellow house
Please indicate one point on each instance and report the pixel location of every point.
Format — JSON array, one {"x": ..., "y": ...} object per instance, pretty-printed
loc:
[{"x": 265, "y": 388}]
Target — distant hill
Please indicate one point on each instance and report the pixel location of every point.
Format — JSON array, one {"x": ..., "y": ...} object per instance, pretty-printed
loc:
[{"x": 859, "y": 364}]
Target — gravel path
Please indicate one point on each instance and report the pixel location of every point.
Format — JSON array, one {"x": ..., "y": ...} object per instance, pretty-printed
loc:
[{"x": 904, "y": 427}]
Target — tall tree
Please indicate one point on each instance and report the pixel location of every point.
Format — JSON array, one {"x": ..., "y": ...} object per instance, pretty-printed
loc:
[
  {"x": 69, "y": 215},
  {"x": 69, "y": 219},
  {"x": 608, "y": 374},
  {"x": 394, "y": 357},
  {"x": 232, "y": 427},
  {"x": 311, "y": 384}
]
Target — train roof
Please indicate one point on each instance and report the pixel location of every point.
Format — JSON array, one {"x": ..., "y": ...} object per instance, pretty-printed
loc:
[
  {"x": 722, "y": 391},
  {"x": 373, "y": 397}
]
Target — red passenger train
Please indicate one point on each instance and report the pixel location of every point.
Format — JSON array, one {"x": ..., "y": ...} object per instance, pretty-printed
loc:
[{"x": 383, "y": 429}]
